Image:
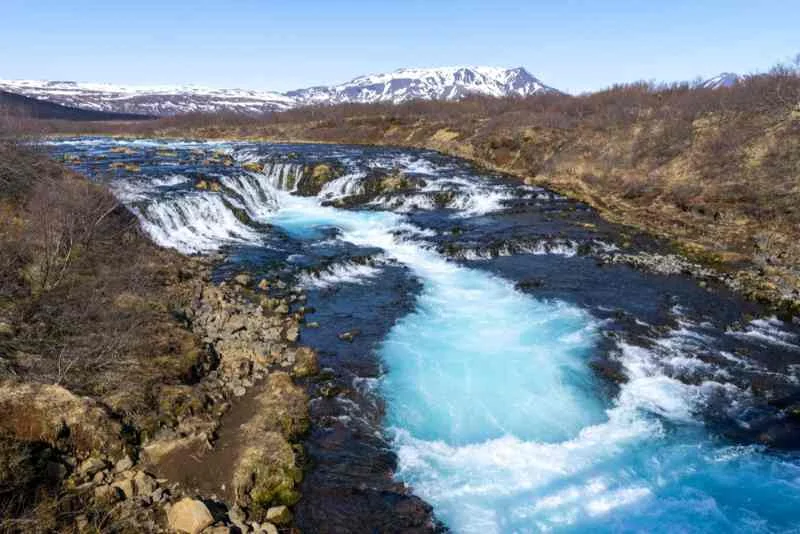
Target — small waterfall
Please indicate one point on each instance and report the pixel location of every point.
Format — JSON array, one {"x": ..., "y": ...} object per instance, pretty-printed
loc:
[
  {"x": 194, "y": 222},
  {"x": 256, "y": 192},
  {"x": 344, "y": 186},
  {"x": 282, "y": 175}
]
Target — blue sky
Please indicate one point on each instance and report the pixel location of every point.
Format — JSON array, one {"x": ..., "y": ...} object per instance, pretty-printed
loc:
[{"x": 574, "y": 45}]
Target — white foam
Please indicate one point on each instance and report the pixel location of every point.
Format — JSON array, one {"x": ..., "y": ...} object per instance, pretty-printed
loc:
[
  {"x": 194, "y": 222},
  {"x": 347, "y": 273}
]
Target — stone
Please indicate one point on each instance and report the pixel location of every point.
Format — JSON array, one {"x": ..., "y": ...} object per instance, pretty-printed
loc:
[
  {"x": 239, "y": 391},
  {"x": 292, "y": 333},
  {"x": 123, "y": 465},
  {"x": 91, "y": 466},
  {"x": 219, "y": 529},
  {"x": 306, "y": 362},
  {"x": 238, "y": 518},
  {"x": 263, "y": 285},
  {"x": 189, "y": 515},
  {"x": 126, "y": 487},
  {"x": 350, "y": 335},
  {"x": 145, "y": 484},
  {"x": 107, "y": 494},
  {"x": 242, "y": 279},
  {"x": 279, "y": 515},
  {"x": 269, "y": 528}
]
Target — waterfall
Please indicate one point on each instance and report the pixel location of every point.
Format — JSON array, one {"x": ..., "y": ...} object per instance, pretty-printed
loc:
[
  {"x": 282, "y": 175},
  {"x": 194, "y": 222}
]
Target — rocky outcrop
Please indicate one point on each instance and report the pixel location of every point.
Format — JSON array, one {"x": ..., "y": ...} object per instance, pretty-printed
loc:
[
  {"x": 53, "y": 414},
  {"x": 379, "y": 183},
  {"x": 315, "y": 177}
]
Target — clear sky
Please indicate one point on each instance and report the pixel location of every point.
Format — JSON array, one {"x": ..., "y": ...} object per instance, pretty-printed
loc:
[{"x": 573, "y": 45}]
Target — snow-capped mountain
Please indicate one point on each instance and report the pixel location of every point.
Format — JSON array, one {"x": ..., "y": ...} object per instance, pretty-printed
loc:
[
  {"x": 149, "y": 100},
  {"x": 449, "y": 83},
  {"x": 725, "y": 79}
]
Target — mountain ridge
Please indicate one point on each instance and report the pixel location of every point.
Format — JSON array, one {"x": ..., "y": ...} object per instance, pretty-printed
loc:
[{"x": 401, "y": 85}]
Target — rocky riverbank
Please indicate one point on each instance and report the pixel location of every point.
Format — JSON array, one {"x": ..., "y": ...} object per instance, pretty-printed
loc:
[{"x": 195, "y": 474}]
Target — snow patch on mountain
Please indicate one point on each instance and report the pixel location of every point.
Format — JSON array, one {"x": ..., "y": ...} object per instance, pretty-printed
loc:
[
  {"x": 725, "y": 79},
  {"x": 448, "y": 83}
]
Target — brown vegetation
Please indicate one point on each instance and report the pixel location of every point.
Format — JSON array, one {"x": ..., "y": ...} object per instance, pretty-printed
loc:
[{"x": 88, "y": 339}]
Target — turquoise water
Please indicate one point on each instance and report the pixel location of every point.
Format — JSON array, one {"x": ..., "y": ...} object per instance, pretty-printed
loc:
[{"x": 498, "y": 423}]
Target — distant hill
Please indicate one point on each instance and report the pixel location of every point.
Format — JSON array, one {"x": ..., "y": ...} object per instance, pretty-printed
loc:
[
  {"x": 22, "y": 106},
  {"x": 445, "y": 83}
]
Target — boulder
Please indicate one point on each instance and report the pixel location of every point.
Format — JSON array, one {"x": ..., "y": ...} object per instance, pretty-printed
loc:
[
  {"x": 123, "y": 465},
  {"x": 107, "y": 494},
  {"x": 279, "y": 515},
  {"x": 125, "y": 486},
  {"x": 53, "y": 414},
  {"x": 350, "y": 335},
  {"x": 243, "y": 279},
  {"x": 144, "y": 483},
  {"x": 91, "y": 466},
  {"x": 266, "y": 475},
  {"x": 292, "y": 334},
  {"x": 306, "y": 362},
  {"x": 315, "y": 177},
  {"x": 189, "y": 515}
]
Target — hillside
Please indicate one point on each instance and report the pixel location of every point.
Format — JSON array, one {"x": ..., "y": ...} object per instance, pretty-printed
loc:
[{"x": 16, "y": 105}]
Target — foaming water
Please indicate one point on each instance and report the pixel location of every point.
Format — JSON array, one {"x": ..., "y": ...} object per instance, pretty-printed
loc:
[
  {"x": 491, "y": 407},
  {"x": 497, "y": 422}
]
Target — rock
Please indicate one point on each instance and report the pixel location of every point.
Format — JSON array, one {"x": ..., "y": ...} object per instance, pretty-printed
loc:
[
  {"x": 314, "y": 178},
  {"x": 253, "y": 166},
  {"x": 263, "y": 285},
  {"x": 62, "y": 418},
  {"x": 91, "y": 466},
  {"x": 243, "y": 279},
  {"x": 292, "y": 333},
  {"x": 279, "y": 515},
  {"x": 306, "y": 362},
  {"x": 145, "y": 484},
  {"x": 189, "y": 515},
  {"x": 219, "y": 529},
  {"x": 238, "y": 518},
  {"x": 266, "y": 475},
  {"x": 123, "y": 465},
  {"x": 157, "y": 495},
  {"x": 107, "y": 494},
  {"x": 239, "y": 391},
  {"x": 350, "y": 335},
  {"x": 283, "y": 308},
  {"x": 126, "y": 487}
]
